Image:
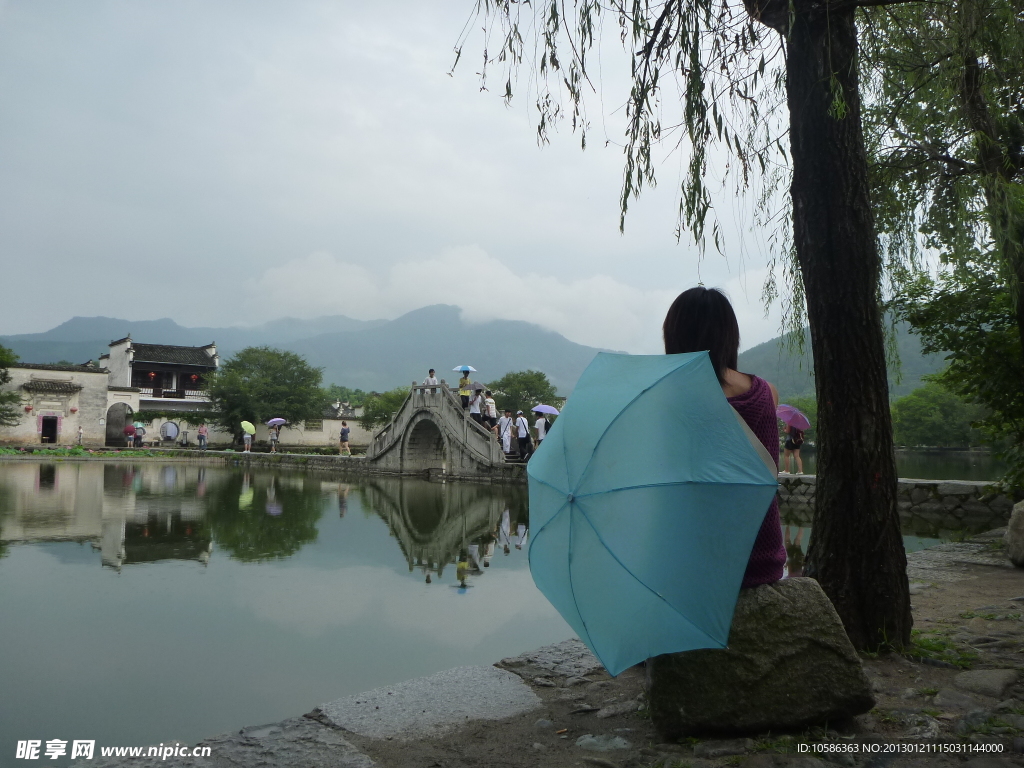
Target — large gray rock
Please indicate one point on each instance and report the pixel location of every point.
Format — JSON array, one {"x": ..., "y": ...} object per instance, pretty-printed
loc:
[
  {"x": 987, "y": 682},
  {"x": 1014, "y": 536},
  {"x": 789, "y": 664}
]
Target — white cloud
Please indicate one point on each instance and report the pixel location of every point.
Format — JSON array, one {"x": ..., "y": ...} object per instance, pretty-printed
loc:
[
  {"x": 314, "y": 601},
  {"x": 596, "y": 310}
]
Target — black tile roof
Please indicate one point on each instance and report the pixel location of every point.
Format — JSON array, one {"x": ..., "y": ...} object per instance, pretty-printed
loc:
[
  {"x": 46, "y": 385},
  {"x": 165, "y": 353},
  {"x": 72, "y": 368}
]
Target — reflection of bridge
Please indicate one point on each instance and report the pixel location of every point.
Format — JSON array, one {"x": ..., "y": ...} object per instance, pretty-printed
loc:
[
  {"x": 435, "y": 522},
  {"x": 432, "y": 433}
]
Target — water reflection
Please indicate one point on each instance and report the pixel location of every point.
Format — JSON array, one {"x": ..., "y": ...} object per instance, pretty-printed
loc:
[
  {"x": 147, "y": 513},
  {"x": 438, "y": 525}
]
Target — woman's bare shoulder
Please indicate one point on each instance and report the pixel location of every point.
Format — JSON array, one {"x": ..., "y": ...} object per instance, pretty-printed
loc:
[{"x": 736, "y": 383}]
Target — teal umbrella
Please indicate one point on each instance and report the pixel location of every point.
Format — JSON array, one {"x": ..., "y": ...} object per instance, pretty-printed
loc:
[{"x": 645, "y": 500}]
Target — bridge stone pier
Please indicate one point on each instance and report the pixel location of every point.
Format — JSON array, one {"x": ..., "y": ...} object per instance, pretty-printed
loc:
[{"x": 432, "y": 434}]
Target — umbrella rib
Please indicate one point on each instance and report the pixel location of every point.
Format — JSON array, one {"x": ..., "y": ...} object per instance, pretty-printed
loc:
[
  {"x": 572, "y": 587},
  {"x": 663, "y": 485},
  {"x": 635, "y": 578},
  {"x": 619, "y": 415}
]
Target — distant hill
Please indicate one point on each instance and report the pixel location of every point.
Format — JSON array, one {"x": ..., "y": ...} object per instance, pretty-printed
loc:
[
  {"x": 793, "y": 374},
  {"x": 382, "y": 354},
  {"x": 370, "y": 355}
]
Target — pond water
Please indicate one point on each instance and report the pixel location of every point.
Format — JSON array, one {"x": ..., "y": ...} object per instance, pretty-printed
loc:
[
  {"x": 932, "y": 465},
  {"x": 157, "y": 602},
  {"x": 150, "y": 603}
]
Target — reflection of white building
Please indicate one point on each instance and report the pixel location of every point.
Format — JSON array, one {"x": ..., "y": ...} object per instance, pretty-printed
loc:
[
  {"x": 55, "y": 401},
  {"x": 130, "y": 514}
]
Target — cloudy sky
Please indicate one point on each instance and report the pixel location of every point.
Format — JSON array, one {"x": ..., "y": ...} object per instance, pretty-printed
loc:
[{"x": 228, "y": 162}]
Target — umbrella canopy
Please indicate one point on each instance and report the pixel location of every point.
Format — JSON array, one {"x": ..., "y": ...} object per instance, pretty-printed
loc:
[
  {"x": 248, "y": 427},
  {"x": 645, "y": 501},
  {"x": 545, "y": 409},
  {"x": 464, "y": 368},
  {"x": 792, "y": 416},
  {"x": 138, "y": 425},
  {"x": 130, "y": 429},
  {"x": 276, "y": 422},
  {"x": 477, "y": 385}
]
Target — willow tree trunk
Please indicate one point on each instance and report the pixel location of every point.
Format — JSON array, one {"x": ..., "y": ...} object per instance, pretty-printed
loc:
[{"x": 856, "y": 550}]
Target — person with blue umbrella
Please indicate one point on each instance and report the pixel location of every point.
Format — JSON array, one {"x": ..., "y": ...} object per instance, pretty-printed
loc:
[{"x": 653, "y": 498}]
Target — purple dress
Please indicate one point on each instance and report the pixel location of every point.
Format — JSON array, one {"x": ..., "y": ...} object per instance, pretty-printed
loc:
[{"x": 768, "y": 557}]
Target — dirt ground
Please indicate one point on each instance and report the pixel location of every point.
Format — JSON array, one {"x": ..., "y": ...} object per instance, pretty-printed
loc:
[{"x": 968, "y": 616}]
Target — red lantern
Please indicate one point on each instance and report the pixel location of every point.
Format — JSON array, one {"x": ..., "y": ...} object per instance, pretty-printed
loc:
[
  {"x": 74, "y": 410},
  {"x": 28, "y": 408}
]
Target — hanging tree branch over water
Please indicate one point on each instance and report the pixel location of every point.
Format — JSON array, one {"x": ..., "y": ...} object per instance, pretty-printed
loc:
[{"x": 724, "y": 69}]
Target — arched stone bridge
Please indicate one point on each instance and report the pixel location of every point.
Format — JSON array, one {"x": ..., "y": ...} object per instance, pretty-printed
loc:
[{"x": 432, "y": 434}]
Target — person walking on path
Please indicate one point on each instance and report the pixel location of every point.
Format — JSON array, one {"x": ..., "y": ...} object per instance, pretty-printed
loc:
[
  {"x": 791, "y": 448},
  {"x": 464, "y": 387},
  {"x": 703, "y": 320},
  {"x": 505, "y": 431},
  {"x": 247, "y": 442},
  {"x": 274, "y": 436},
  {"x": 202, "y": 433},
  {"x": 345, "y": 431},
  {"x": 431, "y": 380},
  {"x": 523, "y": 433},
  {"x": 81, "y": 434}
]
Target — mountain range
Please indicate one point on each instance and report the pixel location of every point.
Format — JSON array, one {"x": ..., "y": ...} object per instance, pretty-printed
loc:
[
  {"x": 381, "y": 354},
  {"x": 372, "y": 355}
]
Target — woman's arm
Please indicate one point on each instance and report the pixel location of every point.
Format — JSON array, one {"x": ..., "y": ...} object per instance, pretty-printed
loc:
[{"x": 775, "y": 394}]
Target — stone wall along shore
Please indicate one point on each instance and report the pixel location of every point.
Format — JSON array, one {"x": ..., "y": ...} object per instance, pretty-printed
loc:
[{"x": 925, "y": 506}]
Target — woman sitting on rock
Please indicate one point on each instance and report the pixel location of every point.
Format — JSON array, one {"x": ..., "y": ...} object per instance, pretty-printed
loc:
[{"x": 703, "y": 319}]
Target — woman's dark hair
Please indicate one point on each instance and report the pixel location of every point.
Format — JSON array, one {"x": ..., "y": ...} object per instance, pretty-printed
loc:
[{"x": 702, "y": 319}]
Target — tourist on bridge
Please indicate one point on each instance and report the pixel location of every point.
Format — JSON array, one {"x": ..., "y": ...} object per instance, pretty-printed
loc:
[
  {"x": 431, "y": 380},
  {"x": 490, "y": 411},
  {"x": 523, "y": 431},
  {"x": 464, "y": 387},
  {"x": 541, "y": 427},
  {"x": 505, "y": 431},
  {"x": 476, "y": 402}
]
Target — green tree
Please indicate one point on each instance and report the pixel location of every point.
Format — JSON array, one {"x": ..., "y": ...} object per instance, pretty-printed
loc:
[
  {"x": 260, "y": 383},
  {"x": 263, "y": 520},
  {"x": 378, "y": 408},
  {"x": 966, "y": 315},
  {"x": 521, "y": 390},
  {"x": 933, "y": 416},
  {"x": 945, "y": 127},
  {"x": 10, "y": 399},
  {"x": 354, "y": 397},
  {"x": 732, "y": 70}
]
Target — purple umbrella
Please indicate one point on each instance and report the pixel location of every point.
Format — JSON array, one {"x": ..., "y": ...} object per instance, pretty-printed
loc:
[
  {"x": 277, "y": 422},
  {"x": 792, "y": 416},
  {"x": 545, "y": 409}
]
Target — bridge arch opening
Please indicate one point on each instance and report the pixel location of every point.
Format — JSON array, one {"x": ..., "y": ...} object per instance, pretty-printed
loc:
[{"x": 424, "y": 448}]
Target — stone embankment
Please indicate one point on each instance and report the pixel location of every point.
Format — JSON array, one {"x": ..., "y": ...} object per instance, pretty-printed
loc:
[{"x": 960, "y": 504}]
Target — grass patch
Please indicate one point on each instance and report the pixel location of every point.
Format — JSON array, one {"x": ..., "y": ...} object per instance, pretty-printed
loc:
[
  {"x": 927, "y": 691},
  {"x": 930, "y": 646}
]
